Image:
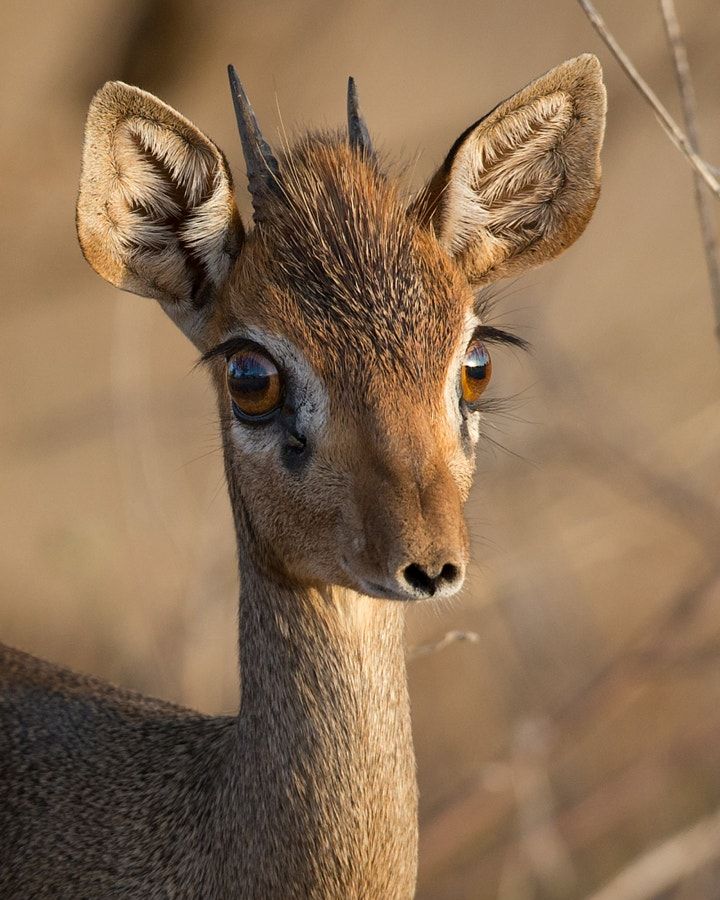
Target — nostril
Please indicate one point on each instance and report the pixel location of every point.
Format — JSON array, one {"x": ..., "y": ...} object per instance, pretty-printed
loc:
[
  {"x": 419, "y": 579},
  {"x": 448, "y": 574}
]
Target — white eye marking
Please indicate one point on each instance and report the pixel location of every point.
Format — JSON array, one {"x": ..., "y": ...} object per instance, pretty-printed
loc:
[
  {"x": 307, "y": 394},
  {"x": 473, "y": 426},
  {"x": 452, "y": 398},
  {"x": 253, "y": 439}
]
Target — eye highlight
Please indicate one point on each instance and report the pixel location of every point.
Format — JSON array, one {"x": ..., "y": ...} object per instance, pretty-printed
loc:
[
  {"x": 475, "y": 372},
  {"x": 254, "y": 383}
]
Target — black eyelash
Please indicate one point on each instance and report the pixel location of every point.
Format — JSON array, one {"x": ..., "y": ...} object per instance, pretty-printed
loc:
[
  {"x": 486, "y": 299},
  {"x": 229, "y": 347},
  {"x": 492, "y": 335}
]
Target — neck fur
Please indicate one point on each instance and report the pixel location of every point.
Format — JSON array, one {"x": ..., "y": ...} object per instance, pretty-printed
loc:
[{"x": 325, "y": 771}]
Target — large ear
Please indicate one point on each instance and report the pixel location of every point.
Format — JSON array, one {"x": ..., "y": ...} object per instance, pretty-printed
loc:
[
  {"x": 156, "y": 212},
  {"x": 520, "y": 185}
]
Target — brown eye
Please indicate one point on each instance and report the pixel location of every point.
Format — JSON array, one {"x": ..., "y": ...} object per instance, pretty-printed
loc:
[
  {"x": 475, "y": 373},
  {"x": 254, "y": 383}
]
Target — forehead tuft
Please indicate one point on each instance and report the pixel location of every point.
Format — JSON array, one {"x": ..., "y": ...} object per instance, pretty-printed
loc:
[{"x": 353, "y": 273}]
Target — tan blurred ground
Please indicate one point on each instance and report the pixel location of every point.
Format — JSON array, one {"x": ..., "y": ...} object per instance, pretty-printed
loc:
[{"x": 584, "y": 726}]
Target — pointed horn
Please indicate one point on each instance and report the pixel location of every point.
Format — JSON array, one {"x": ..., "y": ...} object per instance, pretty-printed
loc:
[
  {"x": 263, "y": 172},
  {"x": 357, "y": 129}
]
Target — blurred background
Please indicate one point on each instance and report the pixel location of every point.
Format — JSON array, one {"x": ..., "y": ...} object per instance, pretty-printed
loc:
[{"x": 582, "y": 727}]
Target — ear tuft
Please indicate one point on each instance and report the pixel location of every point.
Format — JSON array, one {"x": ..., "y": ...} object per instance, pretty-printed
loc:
[
  {"x": 156, "y": 213},
  {"x": 519, "y": 185}
]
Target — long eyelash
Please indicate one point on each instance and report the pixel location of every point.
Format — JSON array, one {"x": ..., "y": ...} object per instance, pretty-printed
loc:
[
  {"x": 485, "y": 302},
  {"x": 227, "y": 348},
  {"x": 492, "y": 335}
]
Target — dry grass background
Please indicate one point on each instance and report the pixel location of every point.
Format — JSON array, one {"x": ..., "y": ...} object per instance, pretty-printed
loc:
[{"x": 584, "y": 725}]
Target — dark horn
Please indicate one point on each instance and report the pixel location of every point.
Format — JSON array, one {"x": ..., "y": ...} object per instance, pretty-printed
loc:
[
  {"x": 357, "y": 129},
  {"x": 263, "y": 171}
]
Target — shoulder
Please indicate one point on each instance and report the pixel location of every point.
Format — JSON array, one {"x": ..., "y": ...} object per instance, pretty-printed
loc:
[
  {"x": 26, "y": 678},
  {"x": 43, "y": 705}
]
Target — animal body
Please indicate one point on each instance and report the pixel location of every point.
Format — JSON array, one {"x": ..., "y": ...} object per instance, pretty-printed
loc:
[{"x": 345, "y": 339}]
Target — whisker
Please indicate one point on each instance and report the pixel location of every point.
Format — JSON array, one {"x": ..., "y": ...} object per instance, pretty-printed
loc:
[
  {"x": 195, "y": 459},
  {"x": 501, "y": 446}
]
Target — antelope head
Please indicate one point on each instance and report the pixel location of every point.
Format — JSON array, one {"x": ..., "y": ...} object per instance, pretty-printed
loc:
[{"x": 343, "y": 331}]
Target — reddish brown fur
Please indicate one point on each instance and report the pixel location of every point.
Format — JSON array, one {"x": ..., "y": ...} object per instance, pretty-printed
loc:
[{"x": 378, "y": 309}]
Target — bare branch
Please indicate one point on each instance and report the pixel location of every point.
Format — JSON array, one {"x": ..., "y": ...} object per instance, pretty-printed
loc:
[
  {"x": 689, "y": 106},
  {"x": 450, "y": 638},
  {"x": 666, "y": 865},
  {"x": 542, "y": 846},
  {"x": 671, "y": 127}
]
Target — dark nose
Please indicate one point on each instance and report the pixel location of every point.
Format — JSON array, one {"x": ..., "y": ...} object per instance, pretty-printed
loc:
[{"x": 428, "y": 583}]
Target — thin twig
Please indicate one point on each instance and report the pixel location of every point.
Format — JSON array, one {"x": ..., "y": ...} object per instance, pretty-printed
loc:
[
  {"x": 673, "y": 130},
  {"x": 450, "y": 638},
  {"x": 689, "y": 106},
  {"x": 666, "y": 865}
]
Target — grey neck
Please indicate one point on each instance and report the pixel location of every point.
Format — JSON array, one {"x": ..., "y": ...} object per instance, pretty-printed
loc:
[{"x": 324, "y": 776}]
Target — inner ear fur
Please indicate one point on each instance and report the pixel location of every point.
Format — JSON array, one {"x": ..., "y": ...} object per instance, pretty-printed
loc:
[
  {"x": 519, "y": 186},
  {"x": 156, "y": 212}
]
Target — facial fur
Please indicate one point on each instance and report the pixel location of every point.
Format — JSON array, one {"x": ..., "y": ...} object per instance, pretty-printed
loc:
[{"x": 368, "y": 318}]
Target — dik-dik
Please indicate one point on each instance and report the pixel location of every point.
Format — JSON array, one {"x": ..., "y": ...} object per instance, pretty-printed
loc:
[{"x": 344, "y": 336}]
